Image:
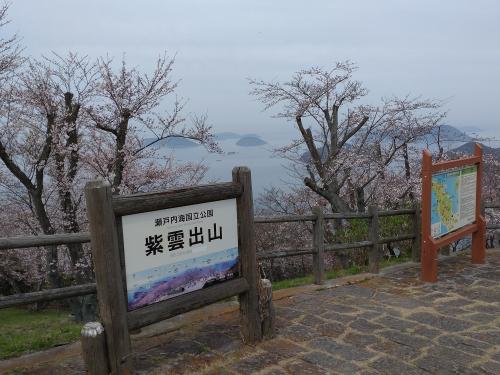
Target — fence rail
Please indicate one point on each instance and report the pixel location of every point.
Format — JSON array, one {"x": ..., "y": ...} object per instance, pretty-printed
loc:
[{"x": 317, "y": 251}]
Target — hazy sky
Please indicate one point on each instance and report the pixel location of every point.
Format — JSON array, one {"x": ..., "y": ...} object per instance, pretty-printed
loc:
[{"x": 444, "y": 49}]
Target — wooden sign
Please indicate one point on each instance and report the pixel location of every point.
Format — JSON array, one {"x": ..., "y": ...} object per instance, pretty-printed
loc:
[
  {"x": 158, "y": 255},
  {"x": 451, "y": 199}
]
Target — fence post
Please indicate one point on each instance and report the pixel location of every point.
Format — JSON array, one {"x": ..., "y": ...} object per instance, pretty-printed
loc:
[
  {"x": 109, "y": 282},
  {"x": 318, "y": 246},
  {"x": 417, "y": 228},
  {"x": 479, "y": 236},
  {"x": 268, "y": 314},
  {"x": 95, "y": 354},
  {"x": 249, "y": 301},
  {"x": 373, "y": 254}
]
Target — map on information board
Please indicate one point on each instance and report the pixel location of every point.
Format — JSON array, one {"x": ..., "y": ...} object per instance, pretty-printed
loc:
[{"x": 453, "y": 201}]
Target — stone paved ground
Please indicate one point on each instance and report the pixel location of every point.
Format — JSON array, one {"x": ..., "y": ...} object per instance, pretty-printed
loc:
[{"x": 392, "y": 324}]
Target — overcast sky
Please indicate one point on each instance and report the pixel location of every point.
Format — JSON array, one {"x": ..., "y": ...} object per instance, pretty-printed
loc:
[{"x": 445, "y": 49}]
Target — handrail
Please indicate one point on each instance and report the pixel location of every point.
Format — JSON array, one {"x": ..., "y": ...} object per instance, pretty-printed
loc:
[
  {"x": 84, "y": 237},
  {"x": 7, "y": 243}
]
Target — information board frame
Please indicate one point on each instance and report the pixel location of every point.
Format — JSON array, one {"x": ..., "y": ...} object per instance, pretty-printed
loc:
[
  {"x": 105, "y": 212},
  {"x": 431, "y": 245}
]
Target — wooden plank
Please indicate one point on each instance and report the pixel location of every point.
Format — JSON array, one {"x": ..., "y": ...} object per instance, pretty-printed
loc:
[
  {"x": 94, "y": 349},
  {"x": 454, "y": 236},
  {"x": 137, "y": 203},
  {"x": 110, "y": 292},
  {"x": 401, "y": 237},
  {"x": 319, "y": 247},
  {"x": 416, "y": 247},
  {"x": 403, "y": 211},
  {"x": 249, "y": 301},
  {"x": 373, "y": 234},
  {"x": 43, "y": 240},
  {"x": 46, "y": 295},
  {"x": 348, "y": 246},
  {"x": 283, "y": 253},
  {"x": 283, "y": 219},
  {"x": 428, "y": 268},
  {"x": 184, "y": 303},
  {"x": 449, "y": 164},
  {"x": 493, "y": 226},
  {"x": 346, "y": 215},
  {"x": 479, "y": 237},
  {"x": 491, "y": 205}
]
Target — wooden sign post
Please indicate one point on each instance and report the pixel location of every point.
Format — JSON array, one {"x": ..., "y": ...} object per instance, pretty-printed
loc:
[
  {"x": 158, "y": 255},
  {"x": 451, "y": 208}
]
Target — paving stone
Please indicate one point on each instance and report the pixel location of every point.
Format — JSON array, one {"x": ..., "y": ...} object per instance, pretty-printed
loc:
[
  {"x": 480, "y": 317},
  {"x": 343, "y": 309},
  {"x": 346, "y": 351},
  {"x": 255, "y": 363},
  {"x": 496, "y": 356},
  {"x": 321, "y": 359},
  {"x": 391, "y": 366},
  {"x": 311, "y": 321},
  {"x": 282, "y": 348},
  {"x": 369, "y": 315},
  {"x": 301, "y": 367},
  {"x": 218, "y": 342},
  {"x": 399, "y": 301},
  {"x": 330, "y": 363},
  {"x": 360, "y": 340},
  {"x": 422, "y": 330},
  {"x": 396, "y": 350},
  {"x": 353, "y": 291},
  {"x": 441, "y": 322},
  {"x": 444, "y": 366},
  {"x": 364, "y": 325},
  {"x": 395, "y": 323},
  {"x": 288, "y": 314},
  {"x": 485, "y": 308},
  {"x": 332, "y": 329},
  {"x": 491, "y": 337},
  {"x": 274, "y": 371},
  {"x": 405, "y": 339},
  {"x": 490, "y": 367},
  {"x": 464, "y": 344},
  {"x": 298, "y": 332},
  {"x": 341, "y": 318}
]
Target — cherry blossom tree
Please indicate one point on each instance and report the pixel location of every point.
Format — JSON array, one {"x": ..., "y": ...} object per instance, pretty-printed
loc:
[
  {"x": 129, "y": 102},
  {"x": 349, "y": 146}
]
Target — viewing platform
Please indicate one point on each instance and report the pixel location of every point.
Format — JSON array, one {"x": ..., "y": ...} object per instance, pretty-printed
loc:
[{"x": 391, "y": 323}]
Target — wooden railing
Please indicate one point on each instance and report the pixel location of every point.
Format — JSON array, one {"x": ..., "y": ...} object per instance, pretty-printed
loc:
[
  {"x": 491, "y": 205},
  {"x": 317, "y": 250},
  {"x": 319, "y": 247}
]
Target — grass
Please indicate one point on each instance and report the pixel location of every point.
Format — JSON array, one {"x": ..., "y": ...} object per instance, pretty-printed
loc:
[
  {"x": 333, "y": 274},
  {"x": 23, "y": 331}
]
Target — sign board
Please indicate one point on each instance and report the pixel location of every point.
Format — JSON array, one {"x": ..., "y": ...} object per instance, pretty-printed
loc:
[
  {"x": 453, "y": 200},
  {"x": 178, "y": 250}
]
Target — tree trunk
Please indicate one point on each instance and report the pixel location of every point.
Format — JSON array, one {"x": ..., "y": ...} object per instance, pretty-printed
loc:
[
  {"x": 119, "y": 165},
  {"x": 55, "y": 279}
]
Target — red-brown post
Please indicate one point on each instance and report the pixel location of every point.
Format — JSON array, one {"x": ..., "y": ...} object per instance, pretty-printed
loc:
[
  {"x": 479, "y": 236},
  {"x": 429, "y": 253}
]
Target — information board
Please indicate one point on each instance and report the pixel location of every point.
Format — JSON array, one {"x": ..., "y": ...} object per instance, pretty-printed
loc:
[
  {"x": 179, "y": 250},
  {"x": 453, "y": 200}
]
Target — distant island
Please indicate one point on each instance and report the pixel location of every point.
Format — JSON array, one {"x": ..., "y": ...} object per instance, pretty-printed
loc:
[
  {"x": 173, "y": 142},
  {"x": 468, "y": 148},
  {"x": 250, "y": 141},
  {"x": 226, "y": 135}
]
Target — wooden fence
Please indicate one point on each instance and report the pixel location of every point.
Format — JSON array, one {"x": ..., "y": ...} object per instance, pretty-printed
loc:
[{"x": 317, "y": 250}]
